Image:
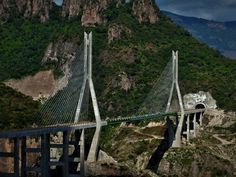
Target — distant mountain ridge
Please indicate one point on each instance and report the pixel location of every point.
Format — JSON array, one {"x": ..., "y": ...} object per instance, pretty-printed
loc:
[{"x": 219, "y": 35}]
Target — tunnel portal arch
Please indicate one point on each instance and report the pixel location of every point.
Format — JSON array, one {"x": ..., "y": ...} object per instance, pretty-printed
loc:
[{"x": 200, "y": 106}]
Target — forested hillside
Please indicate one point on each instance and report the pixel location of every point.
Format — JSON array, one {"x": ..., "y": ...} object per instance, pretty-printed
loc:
[{"x": 140, "y": 54}]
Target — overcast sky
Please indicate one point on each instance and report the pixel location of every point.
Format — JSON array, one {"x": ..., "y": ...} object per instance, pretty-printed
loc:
[
  {"x": 221, "y": 10},
  {"x": 58, "y": 1}
]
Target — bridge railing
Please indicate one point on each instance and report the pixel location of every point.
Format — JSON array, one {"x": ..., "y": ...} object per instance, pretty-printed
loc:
[
  {"x": 140, "y": 117},
  {"x": 151, "y": 116}
]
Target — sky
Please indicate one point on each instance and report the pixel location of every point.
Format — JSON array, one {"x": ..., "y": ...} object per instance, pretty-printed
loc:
[
  {"x": 59, "y": 2},
  {"x": 219, "y": 10}
]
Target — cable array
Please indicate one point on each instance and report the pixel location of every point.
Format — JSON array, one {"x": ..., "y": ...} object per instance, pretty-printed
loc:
[
  {"x": 157, "y": 98},
  {"x": 61, "y": 107}
]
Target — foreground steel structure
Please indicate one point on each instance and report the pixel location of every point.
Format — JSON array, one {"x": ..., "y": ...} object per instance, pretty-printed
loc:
[{"x": 19, "y": 138}]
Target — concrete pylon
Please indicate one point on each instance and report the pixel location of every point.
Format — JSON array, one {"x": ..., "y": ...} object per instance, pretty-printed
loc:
[
  {"x": 175, "y": 84},
  {"x": 92, "y": 156}
]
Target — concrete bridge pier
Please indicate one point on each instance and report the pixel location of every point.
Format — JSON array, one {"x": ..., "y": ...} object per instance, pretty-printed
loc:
[
  {"x": 194, "y": 126},
  {"x": 82, "y": 154},
  {"x": 188, "y": 127},
  {"x": 200, "y": 119}
]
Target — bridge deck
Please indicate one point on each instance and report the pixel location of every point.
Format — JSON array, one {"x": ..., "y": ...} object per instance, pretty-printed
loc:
[
  {"x": 71, "y": 127},
  {"x": 49, "y": 129}
]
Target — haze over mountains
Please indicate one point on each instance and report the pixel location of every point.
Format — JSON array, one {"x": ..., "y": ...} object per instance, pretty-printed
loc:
[{"x": 219, "y": 35}]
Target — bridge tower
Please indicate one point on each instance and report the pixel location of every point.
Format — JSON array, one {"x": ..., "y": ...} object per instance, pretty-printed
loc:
[
  {"x": 175, "y": 86},
  {"x": 89, "y": 81}
]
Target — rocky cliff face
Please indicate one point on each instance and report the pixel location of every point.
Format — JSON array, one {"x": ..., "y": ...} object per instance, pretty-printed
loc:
[
  {"x": 145, "y": 11},
  {"x": 117, "y": 32},
  {"x": 92, "y": 12},
  {"x": 191, "y": 100},
  {"x": 212, "y": 153},
  {"x": 26, "y": 8},
  {"x": 44, "y": 84},
  {"x": 71, "y": 8}
]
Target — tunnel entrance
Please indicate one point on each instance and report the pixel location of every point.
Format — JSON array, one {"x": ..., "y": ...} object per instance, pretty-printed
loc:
[
  {"x": 198, "y": 115},
  {"x": 200, "y": 106}
]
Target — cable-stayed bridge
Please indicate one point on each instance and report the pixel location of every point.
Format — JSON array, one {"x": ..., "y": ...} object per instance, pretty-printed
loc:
[{"x": 68, "y": 111}]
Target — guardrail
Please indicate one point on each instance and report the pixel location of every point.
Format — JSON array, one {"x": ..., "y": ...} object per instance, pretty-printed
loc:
[
  {"x": 139, "y": 118},
  {"x": 49, "y": 129}
]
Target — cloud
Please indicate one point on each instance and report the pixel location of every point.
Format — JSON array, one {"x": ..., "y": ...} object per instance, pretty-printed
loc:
[{"x": 222, "y": 10}]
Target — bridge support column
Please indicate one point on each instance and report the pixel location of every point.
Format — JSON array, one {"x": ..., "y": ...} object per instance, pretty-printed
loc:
[
  {"x": 82, "y": 167},
  {"x": 16, "y": 157},
  {"x": 200, "y": 119},
  {"x": 23, "y": 157},
  {"x": 45, "y": 154},
  {"x": 178, "y": 132},
  {"x": 92, "y": 156},
  {"x": 65, "y": 154},
  {"x": 188, "y": 127},
  {"x": 194, "y": 126}
]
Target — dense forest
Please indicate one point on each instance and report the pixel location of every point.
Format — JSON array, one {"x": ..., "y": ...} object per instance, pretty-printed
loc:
[{"x": 17, "y": 111}]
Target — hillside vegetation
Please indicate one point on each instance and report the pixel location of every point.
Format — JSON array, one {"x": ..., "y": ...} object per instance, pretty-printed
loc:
[
  {"x": 17, "y": 110},
  {"x": 141, "y": 54}
]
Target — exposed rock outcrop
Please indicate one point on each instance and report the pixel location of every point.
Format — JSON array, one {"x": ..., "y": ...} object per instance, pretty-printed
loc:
[
  {"x": 125, "y": 82},
  {"x": 106, "y": 169},
  {"x": 191, "y": 100},
  {"x": 39, "y": 86},
  {"x": 125, "y": 54},
  {"x": 210, "y": 154},
  {"x": 116, "y": 32},
  {"x": 93, "y": 12},
  {"x": 26, "y": 8},
  {"x": 145, "y": 11},
  {"x": 60, "y": 52},
  {"x": 71, "y": 8},
  {"x": 44, "y": 84}
]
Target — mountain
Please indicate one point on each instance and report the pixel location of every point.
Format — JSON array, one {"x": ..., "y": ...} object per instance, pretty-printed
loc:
[
  {"x": 132, "y": 44},
  {"x": 219, "y": 35},
  {"x": 123, "y": 55},
  {"x": 26, "y": 8}
]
